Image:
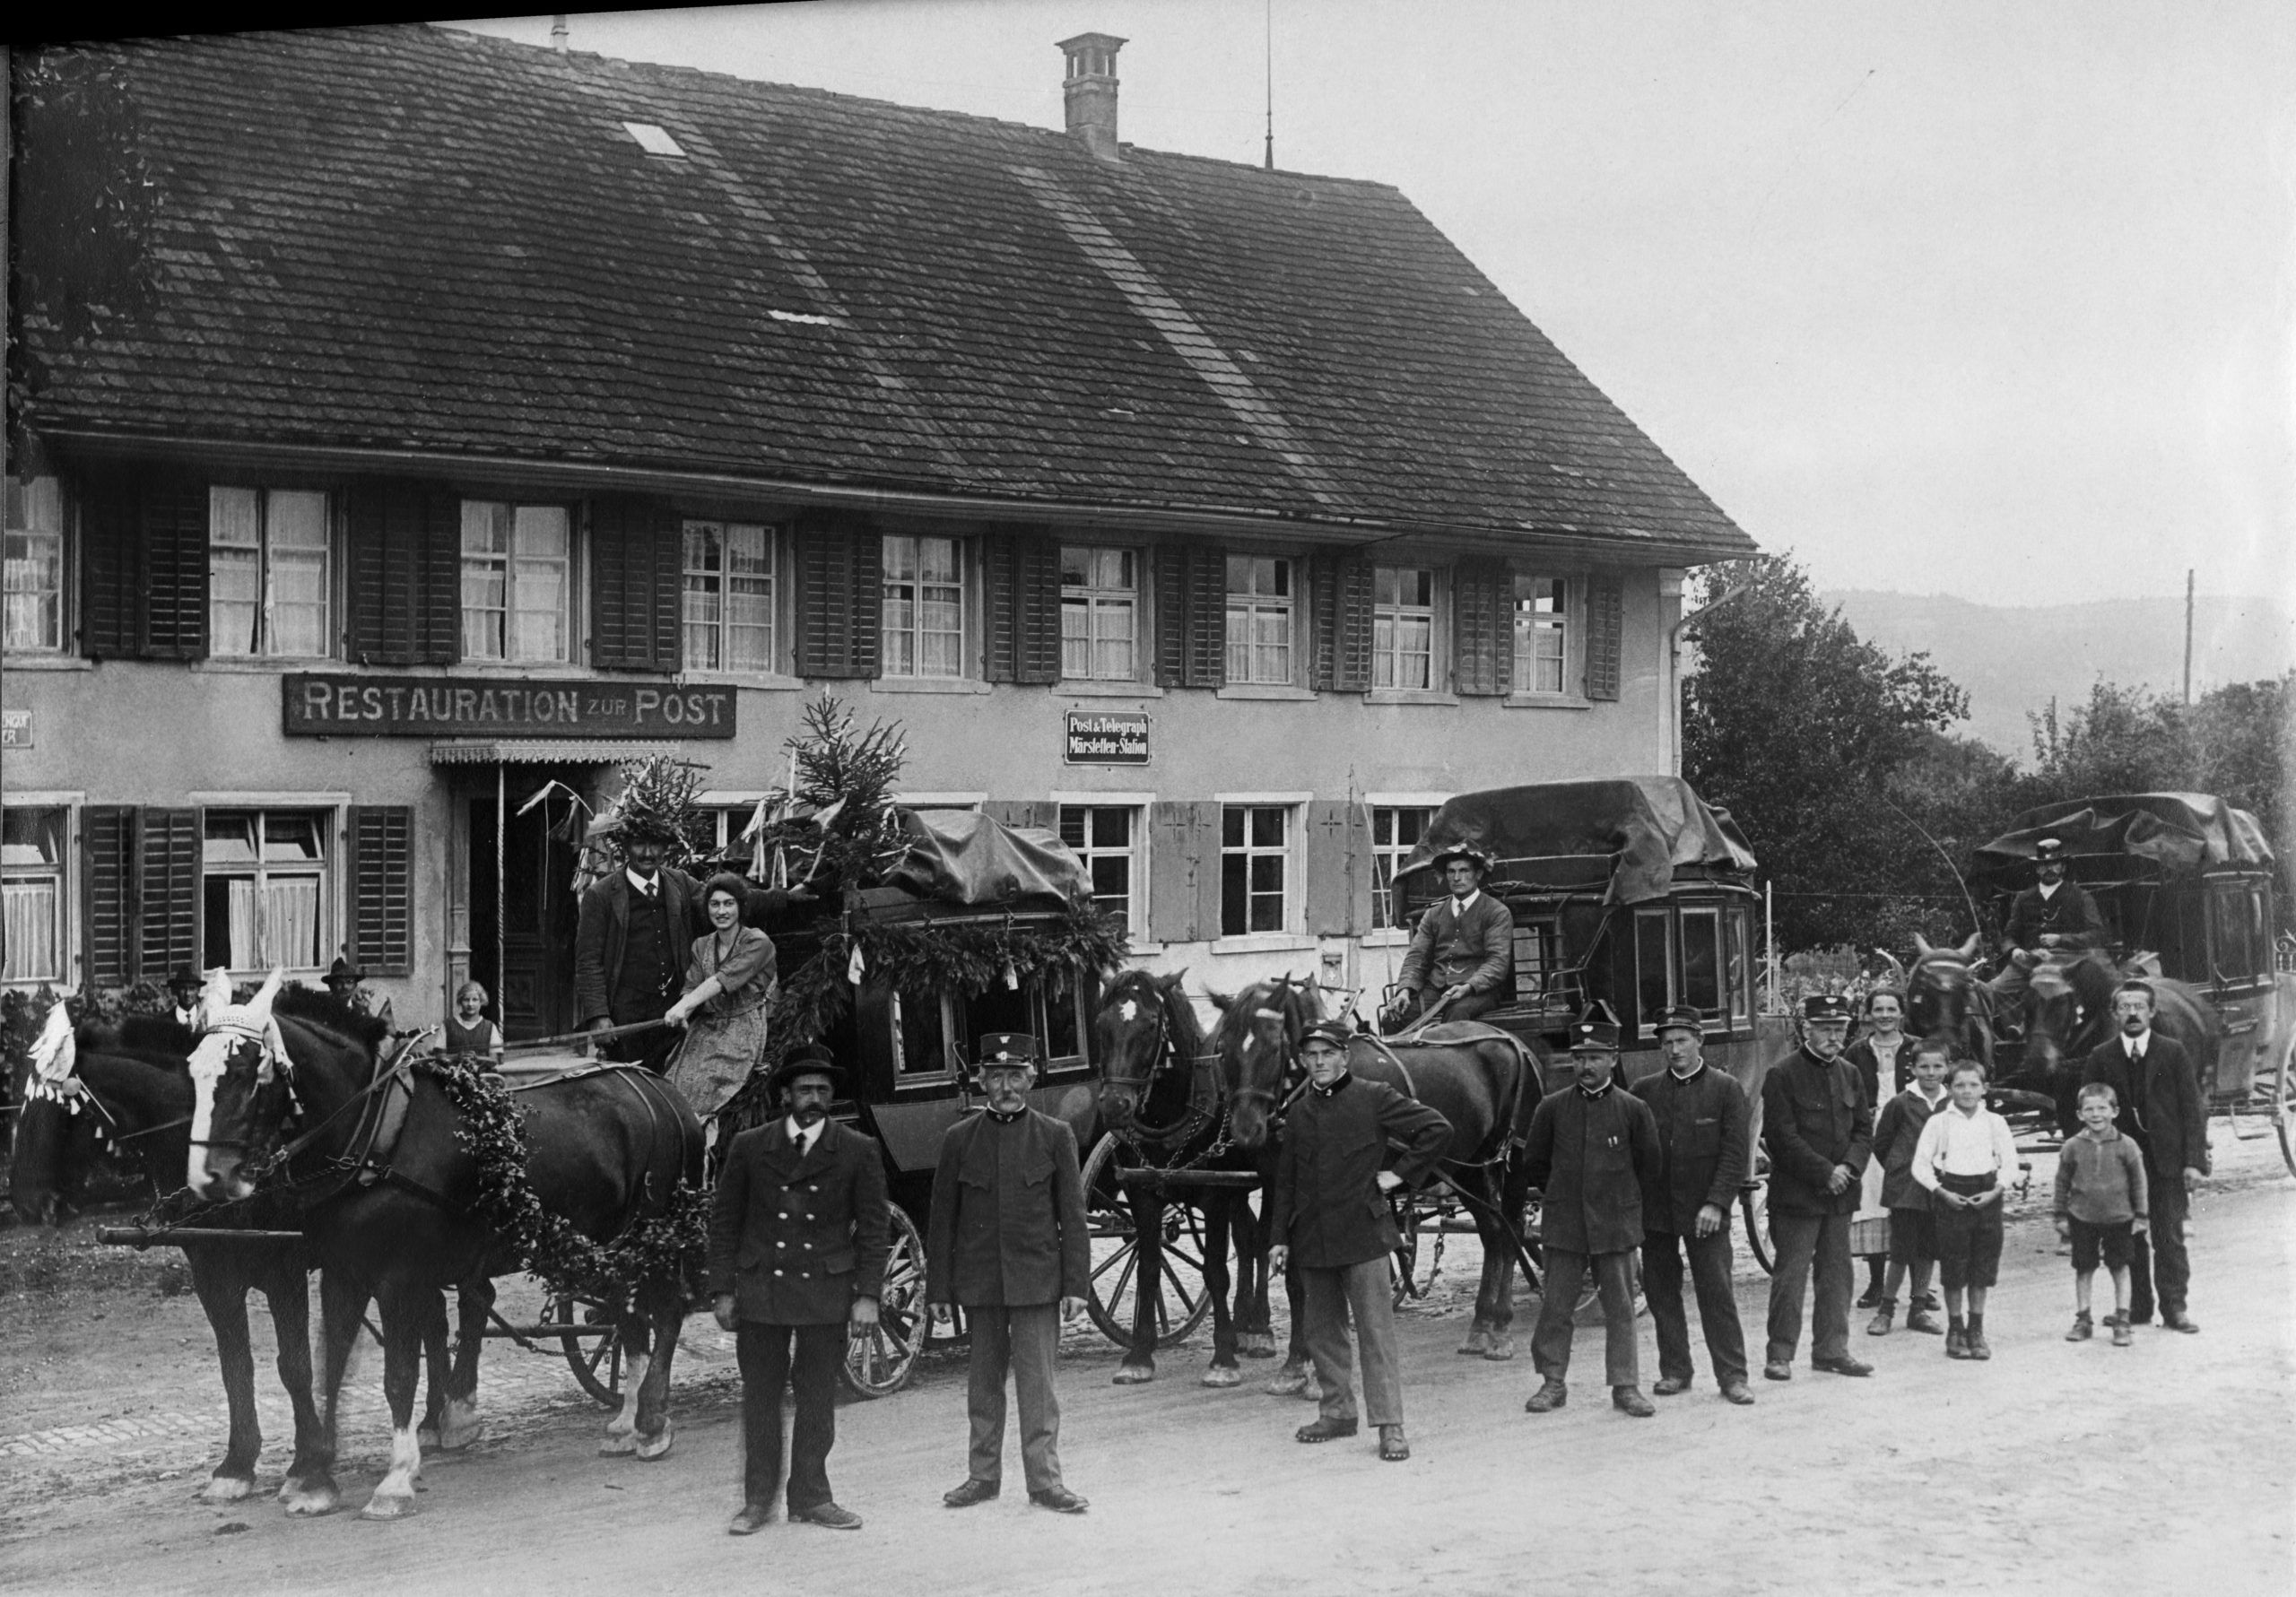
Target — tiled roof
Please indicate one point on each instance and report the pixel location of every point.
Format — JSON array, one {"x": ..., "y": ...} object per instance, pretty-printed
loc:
[{"x": 416, "y": 239}]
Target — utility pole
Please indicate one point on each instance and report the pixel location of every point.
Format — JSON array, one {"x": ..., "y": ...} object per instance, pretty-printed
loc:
[{"x": 2189, "y": 637}]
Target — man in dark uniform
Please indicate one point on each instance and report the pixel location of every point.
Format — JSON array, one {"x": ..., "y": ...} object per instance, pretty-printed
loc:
[
  {"x": 1464, "y": 949},
  {"x": 1819, "y": 1130},
  {"x": 1008, "y": 1240},
  {"x": 1328, "y": 1213},
  {"x": 797, "y": 1240},
  {"x": 1705, "y": 1129},
  {"x": 1591, "y": 1148},
  {"x": 2161, "y": 1111},
  {"x": 2055, "y": 913}
]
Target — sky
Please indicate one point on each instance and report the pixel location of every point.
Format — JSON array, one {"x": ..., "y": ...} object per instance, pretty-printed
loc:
[{"x": 1985, "y": 300}]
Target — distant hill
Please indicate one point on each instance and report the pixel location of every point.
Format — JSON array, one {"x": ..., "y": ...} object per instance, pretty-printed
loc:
[{"x": 2012, "y": 659}]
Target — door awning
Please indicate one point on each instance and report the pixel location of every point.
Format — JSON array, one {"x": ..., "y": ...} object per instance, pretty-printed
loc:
[{"x": 538, "y": 751}]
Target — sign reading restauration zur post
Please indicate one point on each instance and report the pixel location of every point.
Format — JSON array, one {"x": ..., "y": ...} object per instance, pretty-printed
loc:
[
  {"x": 1105, "y": 737},
  {"x": 494, "y": 706}
]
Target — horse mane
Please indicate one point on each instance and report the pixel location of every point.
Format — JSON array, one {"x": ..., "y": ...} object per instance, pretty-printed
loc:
[
  {"x": 1181, "y": 1024},
  {"x": 151, "y": 1034},
  {"x": 330, "y": 1013}
]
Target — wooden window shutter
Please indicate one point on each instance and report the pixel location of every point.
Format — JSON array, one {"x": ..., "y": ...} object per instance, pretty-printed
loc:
[
  {"x": 1183, "y": 856},
  {"x": 1483, "y": 630},
  {"x": 107, "y": 883},
  {"x": 1606, "y": 606},
  {"x": 173, "y": 515},
  {"x": 1339, "y": 878},
  {"x": 110, "y": 575},
  {"x": 380, "y": 870},
  {"x": 1191, "y": 616},
  {"x": 637, "y": 582},
  {"x": 840, "y": 594},
  {"x": 406, "y": 574},
  {"x": 1342, "y": 594},
  {"x": 167, "y": 890},
  {"x": 1022, "y": 570}
]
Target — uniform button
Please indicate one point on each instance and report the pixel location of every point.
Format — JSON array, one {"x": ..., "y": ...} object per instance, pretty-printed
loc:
[
  {"x": 781, "y": 1245},
  {"x": 783, "y": 1215},
  {"x": 777, "y": 1272}
]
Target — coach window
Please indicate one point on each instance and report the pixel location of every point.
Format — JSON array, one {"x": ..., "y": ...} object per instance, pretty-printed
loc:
[
  {"x": 518, "y": 570},
  {"x": 264, "y": 892},
  {"x": 32, "y": 900},
  {"x": 1702, "y": 963},
  {"x": 1262, "y": 613},
  {"x": 1100, "y": 614},
  {"x": 1654, "y": 967},
  {"x": 35, "y": 568},
  {"x": 731, "y": 575},
  {"x": 268, "y": 580},
  {"x": 1538, "y": 953},
  {"x": 1739, "y": 966},
  {"x": 920, "y": 1043}
]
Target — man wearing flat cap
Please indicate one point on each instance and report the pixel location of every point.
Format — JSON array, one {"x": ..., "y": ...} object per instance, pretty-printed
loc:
[
  {"x": 1591, "y": 1148},
  {"x": 1705, "y": 1129},
  {"x": 2055, "y": 913},
  {"x": 798, "y": 1241},
  {"x": 1463, "y": 953},
  {"x": 1008, "y": 1240},
  {"x": 1328, "y": 1213},
  {"x": 1819, "y": 1130}
]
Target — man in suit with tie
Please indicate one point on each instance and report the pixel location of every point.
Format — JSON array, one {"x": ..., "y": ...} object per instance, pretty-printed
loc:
[
  {"x": 632, "y": 936},
  {"x": 797, "y": 1240},
  {"x": 1464, "y": 949},
  {"x": 2161, "y": 1110}
]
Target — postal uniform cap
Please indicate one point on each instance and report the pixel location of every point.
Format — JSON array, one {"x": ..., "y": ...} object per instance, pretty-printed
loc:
[
  {"x": 1009, "y": 1049},
  {"x": 1334, "y": 1032},
  {"x": 1825, "y": 1006},
  {"x": 1682, "y": 1017}
]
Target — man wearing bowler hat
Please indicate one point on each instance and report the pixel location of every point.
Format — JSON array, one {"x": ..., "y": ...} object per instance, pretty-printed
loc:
[
  {"x": 1819, "y": 1130},
  {"x": 183, "y": 987},
  {"x": 1464, "y": 949},
  {"x": 1705, "y": 1128},
  {"x": 797, "y": 1240},
  {"x": 1008, "y": 1240},
  {"x": 1590, "y": 1150}
]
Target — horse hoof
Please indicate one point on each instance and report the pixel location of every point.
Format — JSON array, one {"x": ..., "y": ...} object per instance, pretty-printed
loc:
[
  {"x": 1288, "y": 1383},
  {"x": 1256, "y": 1344},
  {"x": 1477, "y": 1345},
  {"x": 1134, "y": 1374},
  {"x": 379, "y": 1507},
  {"x": 459, "y": 1432},
  {"x": 226, "y": 1488},
  {"x": 427, "y": 1438},
  {"x": 656, "y": 1446},
  {"x": 1224, "y": 1375},
  {"x": 1501, "y": 1349},
  {"x": 307, "y": 1499},
  {"x": 614, "y": 1447}
]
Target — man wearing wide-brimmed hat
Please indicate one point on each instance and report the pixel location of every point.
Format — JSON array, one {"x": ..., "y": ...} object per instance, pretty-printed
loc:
[
  {"x": 1819, "y": 1130},
  {"x": 797, "y": 1243},
  {"x": 342, "y": 979},
  {"x": 1464, "y": 949}
]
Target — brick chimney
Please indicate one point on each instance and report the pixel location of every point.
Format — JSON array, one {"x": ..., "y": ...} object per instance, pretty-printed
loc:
[{"x": 1089, "y": 91}]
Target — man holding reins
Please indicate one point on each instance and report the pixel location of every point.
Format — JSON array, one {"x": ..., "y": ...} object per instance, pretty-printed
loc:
[{"x": 1463, "y": 953}]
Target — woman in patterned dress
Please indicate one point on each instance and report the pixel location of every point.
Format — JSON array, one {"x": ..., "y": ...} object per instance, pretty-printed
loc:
[{"x": 730, "y": 980}]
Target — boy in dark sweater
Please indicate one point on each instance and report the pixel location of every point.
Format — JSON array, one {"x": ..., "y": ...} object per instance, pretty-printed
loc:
[
  {"x": 1895, "y": 1136},
  {"x": 2101, "y": 1208}
]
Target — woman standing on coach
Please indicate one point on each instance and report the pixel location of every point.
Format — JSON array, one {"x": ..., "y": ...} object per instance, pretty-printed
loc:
[{"x": 730, "y": 980}]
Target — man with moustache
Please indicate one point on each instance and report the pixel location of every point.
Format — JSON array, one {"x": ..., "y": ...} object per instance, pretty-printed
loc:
[
  {"x": 1464, "y": 949},
  {"x": 1705, "y": 1129},
  {"x": 1819, "y": 1130},
  {"x": 2162, "y": 1111},
  {"x": 797, "y": 1240}
]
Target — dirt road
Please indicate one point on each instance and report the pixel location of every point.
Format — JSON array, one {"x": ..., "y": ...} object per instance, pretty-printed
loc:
[{"x": 2170, "y": 1467}]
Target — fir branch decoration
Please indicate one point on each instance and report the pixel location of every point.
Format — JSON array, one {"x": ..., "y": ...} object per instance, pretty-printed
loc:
[{"x": 658, "y": 805}]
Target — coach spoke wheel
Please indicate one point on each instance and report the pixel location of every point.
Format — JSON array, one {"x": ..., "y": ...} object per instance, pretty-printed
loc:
[
  {"x": 1114, "y": 1299},
  {"x": 1415, "y": 1264},
  {"x": 1753, "y": 1206},
  {"x": 594, "y": 1355},
  {"x": 2284, "y": 1103},
  {"x": 880, "y": 1362}
]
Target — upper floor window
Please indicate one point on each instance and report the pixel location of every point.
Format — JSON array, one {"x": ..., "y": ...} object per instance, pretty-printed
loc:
[
  {"x": 1403, "y": 626},
  {"x": 1260, "y": 618},
  {"x": 925, "y": 607},
  {"x": 263, "y": 888},
  {"x": 1099, "y": 614},
  {"x": 518, "y": 583},
  {"x": 268, "y": 577},
  {"x": 35, "y": 567},
  {"x": 1542, "y": 633},
  {"x": 32, "y": 902},
  {"x": 1395, "y": 831},
  {"x": 731, "y": 569}
]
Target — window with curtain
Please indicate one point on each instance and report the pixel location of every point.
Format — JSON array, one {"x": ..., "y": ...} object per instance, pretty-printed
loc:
[
  {"x": 1403, "y": 626},
  {"x": 267, "y": 579},
  {"x": 1260, "y": 615},
  {"x": 32, "y": 894},
  {"x": 34, "y": 585},
  {"x": 1099, "y": 614},
  {"x": 731, "y": 569},
  {"x": 923, "y": 632},
  {"x": 1542, "y": 633},
  {"x": 518, "y": 583},
  {"x": 264, "y": 888}
]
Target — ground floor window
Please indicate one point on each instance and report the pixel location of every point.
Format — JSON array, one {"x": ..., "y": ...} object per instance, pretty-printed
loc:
[
  {"x": 1107, "y": 839},
  {"x": 264, "y": 892},
  {"x": 1395, "y": 832},
  {"x": 32, "y": 894},
  {"x": 1255, "y": 868}
]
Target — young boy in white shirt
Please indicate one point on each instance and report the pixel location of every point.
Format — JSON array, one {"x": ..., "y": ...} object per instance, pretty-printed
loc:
[{"x": 1965, "y": 1158}]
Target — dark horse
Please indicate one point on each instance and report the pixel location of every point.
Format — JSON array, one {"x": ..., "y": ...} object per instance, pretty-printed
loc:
[
  {"x": 135, "y": 1095},
  {"x": 1160, "y": 1095},
  {"x": 1477, "y": 1077},
  {"x": 391, "y": 1213},
  {"x": 1944, "y": 1000},
  {"x": 2070, "y": 1013}
]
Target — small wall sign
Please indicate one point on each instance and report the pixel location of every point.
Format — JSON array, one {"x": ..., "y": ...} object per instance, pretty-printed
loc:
[
  {"x": 1107, "y": 737},
  {"x": 16, "y": 729}
]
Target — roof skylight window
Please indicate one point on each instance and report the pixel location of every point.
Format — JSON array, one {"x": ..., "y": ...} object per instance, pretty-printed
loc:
[{"x": 653, "y": 140}]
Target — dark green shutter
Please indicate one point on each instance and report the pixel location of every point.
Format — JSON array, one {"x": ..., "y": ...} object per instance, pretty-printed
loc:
[
  {"x": 144, "y": 566},
  {"x": 174, "y": 517},
  {"x": 1342, "y": 594},
  {"x": 1191, "y": 615},
  {"x": 380, "y": 870},
  {"x": 840, "y": 594},
  {"x": 1339, "y": 878},
  {"x": 110, "y": 577},
  {"x": 167, "y": 890},
  {"x": 406, "y": 574},
  {"x": 1021, "y": 571},
  {"x": 107, "y": 883},
  {"x": 636, "y": 577},
  {"x": 1483, "y": 630},
  {"x": 1606, "y": 604},
  {"x": 1183, "y": 856}
]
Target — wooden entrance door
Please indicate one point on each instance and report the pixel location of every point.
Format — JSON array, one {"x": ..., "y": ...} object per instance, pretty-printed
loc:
[{"x": 536, "y": 909}]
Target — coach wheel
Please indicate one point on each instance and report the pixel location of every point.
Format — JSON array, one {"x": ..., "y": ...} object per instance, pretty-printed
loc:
[
  {"x": 881, "y": 1361},
  {"x": 1414, "y": 1267},
  {"x": 1183, "y": 1300},
  {"x": 2284, "y": 1100},
  {"x": 1753, "y": 1205},
  {"x": 594, "y": 1352}
]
